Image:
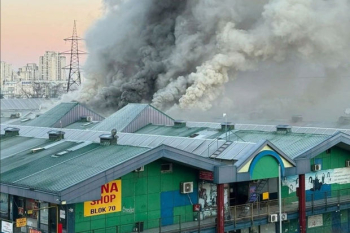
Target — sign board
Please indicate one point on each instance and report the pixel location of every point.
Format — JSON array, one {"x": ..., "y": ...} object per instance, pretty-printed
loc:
[
  {"x": 34, "y": 231},
  {"x": 265, "y": 196},
  {"x": 206, "y": 175},
  {"x": 314, "y": 180},
  {"x": 21, "y": 222},
  {"x": 110, "y": 201},
  {"x": 315, "y": 221},
  {"x": 62, "y": 214},
  {"x": 6, "y": 227}
]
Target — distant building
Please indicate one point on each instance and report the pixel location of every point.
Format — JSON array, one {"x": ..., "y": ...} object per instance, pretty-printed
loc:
[
  {"x": 29, "y": 72},
  {"x": 50, "y": 67},
  {"x": 6, "y": 73}
]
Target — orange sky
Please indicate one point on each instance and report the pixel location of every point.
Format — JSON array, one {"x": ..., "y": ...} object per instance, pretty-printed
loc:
[{"x": 31, "y": 27}]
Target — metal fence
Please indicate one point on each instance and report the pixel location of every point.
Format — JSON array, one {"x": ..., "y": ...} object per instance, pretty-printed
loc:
[{"x": 314, "y": 201}]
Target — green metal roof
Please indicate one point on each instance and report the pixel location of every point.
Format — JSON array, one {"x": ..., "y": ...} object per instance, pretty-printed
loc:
[
  {"x": 52, "y": 116},
  {"x": 13, "y": 145},
  {"x": 54, "y": 174},
  {"x": 81, "y": 125},
  {"x": 120, "y": 119},
  {"x": 292, "y": 144},
  {"x": 168, "y": 130}
]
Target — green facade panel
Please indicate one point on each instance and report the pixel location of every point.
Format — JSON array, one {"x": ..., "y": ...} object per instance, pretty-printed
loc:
[
  {"x": 266, "y": 167},
  {"x": 141, "y": 200}
]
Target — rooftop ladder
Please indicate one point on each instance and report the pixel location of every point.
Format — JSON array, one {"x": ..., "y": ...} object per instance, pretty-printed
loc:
[{"x": 220, "y": 149}]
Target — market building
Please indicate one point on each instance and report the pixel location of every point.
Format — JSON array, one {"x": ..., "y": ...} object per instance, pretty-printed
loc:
[{"x": 139, "y": 170}]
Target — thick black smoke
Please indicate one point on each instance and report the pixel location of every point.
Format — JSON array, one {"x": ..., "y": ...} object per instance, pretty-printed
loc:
[{"x": 180, "y": 54}]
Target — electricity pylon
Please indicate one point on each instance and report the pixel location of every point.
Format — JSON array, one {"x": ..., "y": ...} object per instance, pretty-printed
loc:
[{"x": 74, "y": 78}]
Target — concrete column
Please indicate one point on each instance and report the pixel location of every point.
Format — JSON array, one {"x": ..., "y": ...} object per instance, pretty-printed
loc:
[
  {"x": 302, "y": 209},
  {"x": 220, "y": 205}
]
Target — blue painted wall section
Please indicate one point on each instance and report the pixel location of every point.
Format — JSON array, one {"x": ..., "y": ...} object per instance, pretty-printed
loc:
[
  {"x": 318, "y": 192},
  {"x": 172, "y": 199}
]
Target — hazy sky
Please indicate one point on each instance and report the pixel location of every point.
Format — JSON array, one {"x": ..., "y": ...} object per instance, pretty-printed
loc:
[{"x": 31, "y": 27}]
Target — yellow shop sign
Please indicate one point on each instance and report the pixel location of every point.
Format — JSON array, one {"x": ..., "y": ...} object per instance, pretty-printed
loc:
[
  {"x": 110, "y": 200},
  {"x": 21, "y": 222}
]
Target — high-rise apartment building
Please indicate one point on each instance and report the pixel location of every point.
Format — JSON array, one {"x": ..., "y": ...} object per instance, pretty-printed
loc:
[
  {"x": 6, "y": 72},
  {"x": 30, "y": 72},
  {"x": 50, "y": 67}
]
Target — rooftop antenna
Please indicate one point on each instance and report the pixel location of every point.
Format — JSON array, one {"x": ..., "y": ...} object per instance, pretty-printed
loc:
[
  {"x": 224, "y": 115},
  {"x": 74, "y": 79}
]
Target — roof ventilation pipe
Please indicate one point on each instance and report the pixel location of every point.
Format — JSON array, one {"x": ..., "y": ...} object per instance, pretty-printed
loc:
[
  {"x": 179, "y": 123},
  {"x": 283, "y": 129},
  {"x": 56, "y": 135},
  {"x": 11, "y": 131},
  {"x": 227, "y": 126},
  {"x": 109, "y": 139}
]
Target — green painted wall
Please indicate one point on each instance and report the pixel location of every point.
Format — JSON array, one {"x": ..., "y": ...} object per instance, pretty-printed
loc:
[
  {"x": 266, "y": 167},
  {"x": 330, "y": 224},
  {"x": 291, "y": 225},
  {"x": 335, "y": 159},
  {"x": 141, "y": 200}
]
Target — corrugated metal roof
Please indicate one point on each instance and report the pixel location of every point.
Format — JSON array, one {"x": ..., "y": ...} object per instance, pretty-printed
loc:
[
  {"x": 168, "y": 130},
  {"x": 192, "y": 145},
  {"x": 292, "y": 144},
  {"x": 52, "y": 116},
  {"x": 23, "y": 104},
  {"x": 213, "y": 125},
  {"x": 42, "y": 171},
  {"x": 236, "y": 151},
  {"x": 81, "y": 125},
  {"x": 18, "y": 144},
  {"x": 120, "y": 119}
]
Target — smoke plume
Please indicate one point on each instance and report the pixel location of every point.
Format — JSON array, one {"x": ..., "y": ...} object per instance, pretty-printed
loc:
[{"x": 185, "y": 54}]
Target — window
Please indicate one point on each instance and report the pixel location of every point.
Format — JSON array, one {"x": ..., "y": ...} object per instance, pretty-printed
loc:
[{"x": 167, "y": 167}]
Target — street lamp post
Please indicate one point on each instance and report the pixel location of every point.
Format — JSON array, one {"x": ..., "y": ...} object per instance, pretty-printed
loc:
[
  {"x": 225, "y": 116},
  {"x": 279, "y": 198}
]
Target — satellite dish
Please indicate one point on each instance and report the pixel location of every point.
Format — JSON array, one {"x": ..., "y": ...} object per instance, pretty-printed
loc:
[
  {"x": 113, "y": 132},
  {"x": 347, "y": 111}
]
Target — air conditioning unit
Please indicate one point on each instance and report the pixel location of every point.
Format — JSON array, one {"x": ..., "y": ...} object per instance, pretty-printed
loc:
[
  {"x": 284, "y": 216},
  {"x": 273, "y": 218},
  {"x": 89, "y": 118},
  {"x": 316, "y": 167},
  {"x": 140, "y": 169},
  {"x": 186, "y": 187},
  {"x": 347, "y": 163}
]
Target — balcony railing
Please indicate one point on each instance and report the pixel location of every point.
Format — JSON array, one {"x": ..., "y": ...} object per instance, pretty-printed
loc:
[{"x": 314, "y": 201}]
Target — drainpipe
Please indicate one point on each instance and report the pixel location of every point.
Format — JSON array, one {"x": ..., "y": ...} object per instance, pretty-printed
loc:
[
  {"x": 220, "y": 205},
  {"x": 302, "y": 209}
]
